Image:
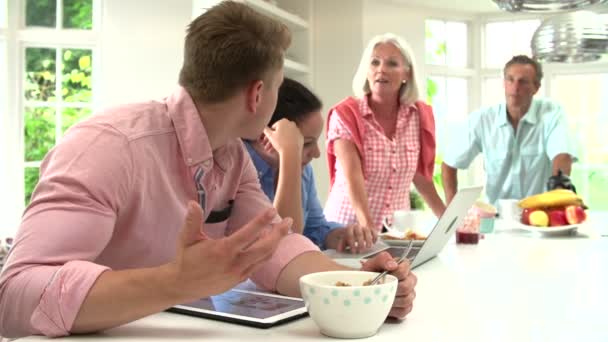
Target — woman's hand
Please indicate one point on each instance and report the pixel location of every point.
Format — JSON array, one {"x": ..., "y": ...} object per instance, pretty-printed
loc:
[
  {"x": 355, "y": 237},
  {"x": 284, "y": 137}
]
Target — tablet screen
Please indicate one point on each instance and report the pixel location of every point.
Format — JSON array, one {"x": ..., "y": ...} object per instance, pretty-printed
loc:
[{"x": 248, "y": 304}]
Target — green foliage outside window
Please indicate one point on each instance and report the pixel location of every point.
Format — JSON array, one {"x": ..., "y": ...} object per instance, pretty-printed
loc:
[
  {"x": 40, "y": 84},
  {"x": 76, "y": 81},
  {"x": 416, "y": 201},
  {"x": 31, "y": 179},
  {"x": 41, "y": 13},
  {"x": 39, "y": 132},
  {"x": 77, "y": 14},
  {"x": 40, "y": 74}
]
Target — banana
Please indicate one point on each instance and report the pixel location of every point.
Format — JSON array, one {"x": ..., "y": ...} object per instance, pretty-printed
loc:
[{"x": 553, "y": 198}]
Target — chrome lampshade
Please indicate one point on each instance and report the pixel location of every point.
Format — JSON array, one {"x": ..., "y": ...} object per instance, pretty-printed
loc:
[
  {"x": 571, "y": 37},
  {"x": 545, "y": 5}
]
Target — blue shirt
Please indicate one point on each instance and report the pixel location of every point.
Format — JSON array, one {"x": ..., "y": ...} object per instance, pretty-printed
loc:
[
  {"x": 316, "y": 227},
  {"x": 517, "y": 163}
]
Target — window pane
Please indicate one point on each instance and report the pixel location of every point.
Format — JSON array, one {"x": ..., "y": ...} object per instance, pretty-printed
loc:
[
  {"x": 78, "y": 14},
  {"x": 587, "y": 114},
  {"x": 3, "y": 11},
  {"x": 39, "y": 132},
  {"x": 432, "y": 90},
  {"x": 31, "y": 179},
  {"x": 3, "y": 78},
  {"x": 457, "y": 45},
  {"x": 458, "y": 97},
  {"x": 449, "y": 98},
  {"x": 521, "y": 37},
  {"x": 446, "y": 43},
  {"x": 40, "y": 74},
  {"x": 503, "y": 40},
  {"x": 76, "y": 81},
  {"x": 71, "y": 116},
  {"x": 591, "y": 182},
  {"x": 41, "y": 13},
  {"x": 492, "y": 92},
  {"x": 584, "y": 101},
  {"x": 435, "y": 42},
  {"x": 596, "y": 194},
  {"x": 497, "y": 49}
]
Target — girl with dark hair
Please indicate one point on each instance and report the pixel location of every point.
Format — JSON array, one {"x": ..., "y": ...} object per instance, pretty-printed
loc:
[{"x": 282, "y": 156}]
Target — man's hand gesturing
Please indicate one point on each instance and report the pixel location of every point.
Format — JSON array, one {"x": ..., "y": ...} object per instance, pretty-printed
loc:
[{"x": 205, "y": 267}]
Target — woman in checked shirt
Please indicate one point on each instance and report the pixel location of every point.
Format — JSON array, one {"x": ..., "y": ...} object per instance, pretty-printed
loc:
[{"x": 381, "y": 141}]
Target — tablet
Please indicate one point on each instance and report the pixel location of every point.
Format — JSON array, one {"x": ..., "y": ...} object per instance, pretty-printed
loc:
[{"x": 257, "y": 309}]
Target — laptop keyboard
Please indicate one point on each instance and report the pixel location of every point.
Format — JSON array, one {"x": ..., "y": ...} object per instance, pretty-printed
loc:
[{"x": 396, "y": 252}]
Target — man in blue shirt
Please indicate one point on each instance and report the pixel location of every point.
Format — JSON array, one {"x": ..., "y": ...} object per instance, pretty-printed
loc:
[
  {"x": 524, "y": 141},
  {"x": 282, "y": 157}
]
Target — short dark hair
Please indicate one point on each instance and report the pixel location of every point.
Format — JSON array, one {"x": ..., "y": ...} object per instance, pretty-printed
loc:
[
  {"x": 229, "y": 46},
  {"x": 523, "y": 59},
  {"x": 295, "y": 102}
]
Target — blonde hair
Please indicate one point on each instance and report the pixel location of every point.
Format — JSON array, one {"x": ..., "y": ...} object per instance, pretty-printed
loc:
[
  {"x": 229, "y": 46},
  {"x": 409, "y": 92}
]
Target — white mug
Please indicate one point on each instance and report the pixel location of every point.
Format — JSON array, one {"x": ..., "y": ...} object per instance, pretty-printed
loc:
[
  {"x": 402, "y": 220},
  {"x": 509, "y": 210}
]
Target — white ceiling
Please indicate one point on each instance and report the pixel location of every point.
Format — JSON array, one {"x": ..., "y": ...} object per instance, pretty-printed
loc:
[{"x": 473, "y": 6}]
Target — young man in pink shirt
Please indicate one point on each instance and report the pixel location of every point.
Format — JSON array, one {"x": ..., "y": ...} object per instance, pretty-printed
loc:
[{"x": 115, "y": 230}]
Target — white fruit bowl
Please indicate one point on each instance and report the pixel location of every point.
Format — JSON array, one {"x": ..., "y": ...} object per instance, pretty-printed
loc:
[
  {"x": 551, "y": 231},
  {"x": 347, "y": 311}
]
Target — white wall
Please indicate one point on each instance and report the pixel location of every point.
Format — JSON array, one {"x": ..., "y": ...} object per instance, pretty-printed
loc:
[
  {"x": 337, "y": 48},
  {"x": 141, "y": 48}
]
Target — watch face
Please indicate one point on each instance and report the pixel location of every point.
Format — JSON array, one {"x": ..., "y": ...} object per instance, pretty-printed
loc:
[{"x": 560, "y": 181}]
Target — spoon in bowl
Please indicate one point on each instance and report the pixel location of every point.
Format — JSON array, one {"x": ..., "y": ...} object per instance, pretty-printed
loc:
[{"x": 401, "y": 259}]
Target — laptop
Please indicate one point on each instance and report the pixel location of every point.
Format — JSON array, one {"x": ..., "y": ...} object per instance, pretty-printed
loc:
[{"x": 443, "y": 230}]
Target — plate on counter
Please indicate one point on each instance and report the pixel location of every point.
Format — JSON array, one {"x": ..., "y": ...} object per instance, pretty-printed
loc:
[
  {"x": 551, "y": 231},
  {"x": 393, "y": 240}
]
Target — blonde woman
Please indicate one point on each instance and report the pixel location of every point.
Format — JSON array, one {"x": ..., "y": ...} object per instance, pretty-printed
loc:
[{"x": 382, "y": 140}]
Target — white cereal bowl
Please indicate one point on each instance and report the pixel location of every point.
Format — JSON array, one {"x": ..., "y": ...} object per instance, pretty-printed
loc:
[{"x": 355, "y": 311}]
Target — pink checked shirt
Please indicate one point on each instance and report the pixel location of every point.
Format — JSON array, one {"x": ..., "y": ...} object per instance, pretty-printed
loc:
[
  {"x": 113, "y": 195},
  {"x": 390, "y": 165}
]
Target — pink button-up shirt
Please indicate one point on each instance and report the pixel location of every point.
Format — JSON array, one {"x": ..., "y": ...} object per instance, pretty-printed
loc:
[
  {"x": 113, "y": 195},
  {"x": 390, "y": 165}
]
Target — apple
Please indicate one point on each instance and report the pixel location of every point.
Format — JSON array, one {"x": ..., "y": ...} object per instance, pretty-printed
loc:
[
  {"x": 557, "y": 217},
  {"x": 575, "y": 214},
  {"x": 539, "y": 218},
  {"x": 525, "y": 215}
]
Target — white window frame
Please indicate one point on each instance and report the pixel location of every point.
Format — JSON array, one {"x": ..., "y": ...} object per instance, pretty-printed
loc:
[
  {"x": 18, "y": 38},
  {"x": 10, "y": 168}
]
